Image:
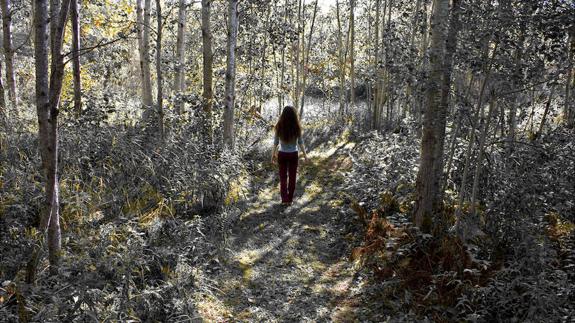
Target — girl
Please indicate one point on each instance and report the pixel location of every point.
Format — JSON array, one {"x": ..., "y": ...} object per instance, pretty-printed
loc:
[{"x": 288, "y": 137}]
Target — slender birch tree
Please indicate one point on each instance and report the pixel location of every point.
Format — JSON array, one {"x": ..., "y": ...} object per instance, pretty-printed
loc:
[
  {"x": 75, "y": 20},
  {"x": 352, "y": 49},
  {"x": 159, "y": 74},
  {"x": 6, "y": 7},
  {"x": 179, "y": 79},
  {"x": 230, "y": 74},
  {"x": 306, "y": 59},
  {"x": 48, "y": 88},
  {"x": 143, "y": 31}
]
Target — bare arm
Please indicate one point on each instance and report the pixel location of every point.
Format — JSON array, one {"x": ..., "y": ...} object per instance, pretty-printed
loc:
[
  {"x": 275, "y": 154},
  {"x": 275, "y": 149},
  {"x": 302, "y": 148}
]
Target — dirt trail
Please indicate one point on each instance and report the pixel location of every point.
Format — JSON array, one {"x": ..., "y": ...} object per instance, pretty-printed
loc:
[{"x": 288, "y": 264}]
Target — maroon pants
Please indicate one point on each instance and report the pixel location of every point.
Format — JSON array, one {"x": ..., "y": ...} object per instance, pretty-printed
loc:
[{"x": 288, "y": 166}]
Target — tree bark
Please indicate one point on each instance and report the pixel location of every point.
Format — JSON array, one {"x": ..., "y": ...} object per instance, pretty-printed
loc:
[
  {"x": 3, "y": 109},
  {"x": 48, "y": 89},
  {"x": 341, "y": 60},
  {"x": 479, "y": 161},
  {"x": 180, "y": 56},
  {"x": 454, "y": 135},
  {"x": 375, "y": 115},
  {"x": 517, "y": 77},
  {"x": 9, "y": 51},
  {"x": 546, "y": 112},
  {"x": 208, "y": 95},
  {"x": 427, "y": 184},
  {"x": 75, "y": 20},
  {"x": 450, "y": 49},
  {"x": 301, "y": 12},
  {"x": 380, "y": 84},
  {"x": 282, "y": 73},
  {"x": 262, "y": 68},
  {"x": 569, "y": 106},
  {"x": 471, "y": 142},
  {"x": 159, "y": 75},
  {"x": 306, "y": 60},
  {"x": 230, "y": 74},
  {"x": 352, "y": 50},
  {"x": 143, "y": 25},
  {"x": 54, "y": 10}
]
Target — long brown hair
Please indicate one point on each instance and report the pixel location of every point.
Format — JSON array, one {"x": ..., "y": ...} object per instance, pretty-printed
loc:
[{"x": 288, "y": 127}]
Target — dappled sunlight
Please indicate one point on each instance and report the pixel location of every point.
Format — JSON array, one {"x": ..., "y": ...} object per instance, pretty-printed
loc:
[{"x": 280, "y": 254}]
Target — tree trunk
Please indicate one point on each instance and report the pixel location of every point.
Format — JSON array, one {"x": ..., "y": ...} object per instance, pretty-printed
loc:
[
  {"x": 159, "y": 75},
  {"x": 367, "y": 81},
  {"x": 306, "y": 60},
  {"x": 48, "y": 89},
  {"x": 341, "y": 61},
  {"x": 54, "y": 9},
  {"x": 547, "y": 106},
  {"x": 143, "y": 25},
  {"x": 9, "y": 51},
  {"x": 3, "y": 113},
  {"x": 427, "y": 184},
  {"x": 261, "y": 97},
  {"x": 569, "y": 106},
  {"x": 282, "y": 74},
  {"x": 517, "y": 78},
  {"x": 471, "y": 142},
  {"x": 301, "y": 12},
  {"x": 450, "y": 49},
  {"x": 352, "y": 50},
  {"x": 375, "y": 116},
  {"x": 479, "y": 162},
  {"x": 454, "y": 135},
  {"x": 380, "y": 83},
  {"x": 231, "y": 74},
  {"x": 418, "y": 107},
  {"x": 180, "y": 55},
  {"x": 75, "y": 20},
  {"x": 386, "y": 82},
  {"x": 410, "y": 92},
  {"x": 208, "y": 95}
]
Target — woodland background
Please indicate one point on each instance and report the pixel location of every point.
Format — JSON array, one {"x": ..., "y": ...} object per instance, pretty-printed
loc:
[{"x": 135, "y": 139}]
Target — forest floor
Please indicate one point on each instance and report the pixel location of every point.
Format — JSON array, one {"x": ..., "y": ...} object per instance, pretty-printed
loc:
[
  {"x": 288, "y": 264},
  {"x": 345, "y": 251}
]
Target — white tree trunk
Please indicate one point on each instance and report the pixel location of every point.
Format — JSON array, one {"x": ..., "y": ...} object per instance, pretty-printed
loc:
[
  {"x": 143, "y": 26},
  {"x": 231, "y": 74}
]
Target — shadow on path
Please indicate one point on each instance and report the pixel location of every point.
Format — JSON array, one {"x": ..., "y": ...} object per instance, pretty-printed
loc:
[{"x": 288, "y": 264}]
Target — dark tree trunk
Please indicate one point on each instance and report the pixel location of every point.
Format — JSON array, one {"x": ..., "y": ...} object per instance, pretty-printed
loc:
[{"x": 208, "y": 95}]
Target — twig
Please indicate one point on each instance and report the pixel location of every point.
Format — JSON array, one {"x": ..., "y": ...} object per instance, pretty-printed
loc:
[{"x": 101, "y": 43}]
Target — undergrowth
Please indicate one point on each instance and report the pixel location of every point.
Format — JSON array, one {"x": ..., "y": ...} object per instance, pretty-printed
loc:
[{"x": 518, "y": 271}]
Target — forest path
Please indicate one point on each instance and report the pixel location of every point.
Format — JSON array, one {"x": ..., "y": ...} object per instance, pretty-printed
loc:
[{"x": 288, "y": 264}]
